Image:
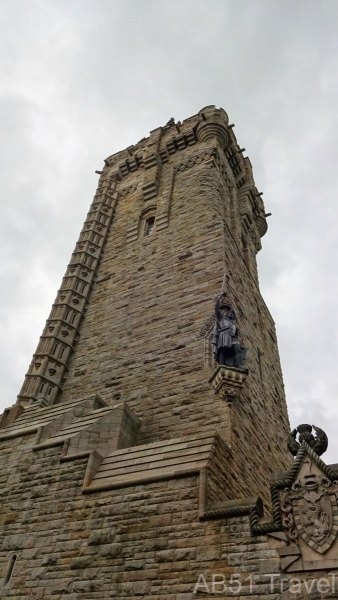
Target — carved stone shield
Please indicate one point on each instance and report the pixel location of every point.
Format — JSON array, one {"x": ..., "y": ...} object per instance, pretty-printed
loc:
[
  {"x": 314, "y": 513},
  {"x": 314, "y": 521}
]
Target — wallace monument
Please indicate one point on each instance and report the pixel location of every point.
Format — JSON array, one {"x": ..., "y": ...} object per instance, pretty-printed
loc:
[{"x": 149, "y": 453}]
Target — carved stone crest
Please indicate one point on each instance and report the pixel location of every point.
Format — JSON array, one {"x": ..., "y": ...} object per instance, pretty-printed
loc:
[
  {"x": 309, "y": 510},
  {"x": 305, "y": 506}
]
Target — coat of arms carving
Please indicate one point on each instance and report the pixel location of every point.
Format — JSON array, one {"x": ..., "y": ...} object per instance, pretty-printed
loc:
[
  {"x": 309, "y": 509},
  {"x": 305, "y": 505}
]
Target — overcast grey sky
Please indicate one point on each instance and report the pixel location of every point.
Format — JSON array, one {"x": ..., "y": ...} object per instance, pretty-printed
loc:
[{"x": 81, "y": 80}]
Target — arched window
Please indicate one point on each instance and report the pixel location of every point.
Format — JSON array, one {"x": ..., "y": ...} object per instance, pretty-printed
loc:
[{"x": 147, "y": 225}]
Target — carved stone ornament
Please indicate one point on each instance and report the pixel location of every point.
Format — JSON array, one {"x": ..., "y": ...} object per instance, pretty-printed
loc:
[
  {"x": 304, "y": 433},
  {"x": 309, "y": 510},
  {"x": 228, "y": 382},
  {"x": 305, "y": 506}
]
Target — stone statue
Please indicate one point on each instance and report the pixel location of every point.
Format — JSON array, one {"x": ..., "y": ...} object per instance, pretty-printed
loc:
[{"x": 227, "y": 348}]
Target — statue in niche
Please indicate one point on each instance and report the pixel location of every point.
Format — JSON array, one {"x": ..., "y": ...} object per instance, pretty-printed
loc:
[{"x": 227, "y": 348}]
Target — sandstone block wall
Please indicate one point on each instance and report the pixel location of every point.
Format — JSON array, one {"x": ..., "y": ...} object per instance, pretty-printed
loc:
[
  {"x": 173, "y": 217},
  {"x": 153, "y": 296},
  {"x": 142, "y": 541}
]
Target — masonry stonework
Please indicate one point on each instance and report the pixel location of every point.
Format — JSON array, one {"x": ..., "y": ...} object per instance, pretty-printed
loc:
[{"x": 131, "y": 465}]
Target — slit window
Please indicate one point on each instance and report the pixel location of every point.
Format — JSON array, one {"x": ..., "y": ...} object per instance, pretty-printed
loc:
[
  {"x": 10, "y": 567},
  {"x": 260, "y": 365},
  {"x": 149, "y": 226}
]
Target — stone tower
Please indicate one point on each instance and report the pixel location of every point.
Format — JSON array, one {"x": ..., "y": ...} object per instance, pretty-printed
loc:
[
  {"x": 133, "y": 318},
  {"x": 127, "y": 440}
]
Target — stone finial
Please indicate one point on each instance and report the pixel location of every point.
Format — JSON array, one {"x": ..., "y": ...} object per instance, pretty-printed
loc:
[{"x": 318, "y": 443}]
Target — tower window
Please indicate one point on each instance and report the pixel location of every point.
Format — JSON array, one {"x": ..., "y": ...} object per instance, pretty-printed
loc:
[
  {"x": 260, "y": 365},
  {"x": 146, "y": 223},
  {"x": 149, "y": 226}
]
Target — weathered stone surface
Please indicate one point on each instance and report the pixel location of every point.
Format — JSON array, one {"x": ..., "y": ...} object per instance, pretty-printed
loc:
[
  {"x": 140, "y": 337},
  {"x": 82, "y": 586},
  {"x": 50, "y": 559},
  {"x": 131, "y": 324},
  {"x": 14, "y": 542},
  {"x": 81, "y": 563},
  {"x": 101, "y": 537},
  {"x": 111, "y": 550}
]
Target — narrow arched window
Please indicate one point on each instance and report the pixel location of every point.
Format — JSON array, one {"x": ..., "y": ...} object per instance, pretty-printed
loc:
[
  {"x": 9, "y": 570},
  {"x": 149, "y": 226},
  {"x": 147, "y": 222},
  {"x": 260, "y": 364}
]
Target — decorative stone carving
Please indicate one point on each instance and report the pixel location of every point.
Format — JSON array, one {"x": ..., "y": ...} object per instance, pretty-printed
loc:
[
  {"x": 171, "y": 122},
  {"x": 305, "y": 505},
  {"x": 309, "y": 509},
  {"x": 304, "y": 432},
  {"x": 228, "y": 382}
]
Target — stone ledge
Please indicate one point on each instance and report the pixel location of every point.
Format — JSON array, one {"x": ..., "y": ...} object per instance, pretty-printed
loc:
[
  {"x": 234, "y": 508},
  {"x": 150, "y": 462}
]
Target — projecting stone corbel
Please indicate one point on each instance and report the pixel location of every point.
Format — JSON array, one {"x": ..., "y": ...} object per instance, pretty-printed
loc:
[{"x": 228, "y": 382}]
